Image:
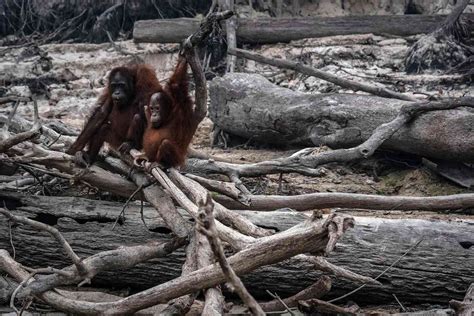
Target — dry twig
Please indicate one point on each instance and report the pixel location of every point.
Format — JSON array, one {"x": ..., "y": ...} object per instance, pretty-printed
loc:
[
  {"x": 315, "y": 305},
  {"x": 312, "y": 201},
  {"x": 54, "y": 232},
  {"x": 207, "y": 226},
  {"x": 311, "y": 237},
  {"x": 316, "y": 290},
  {"x": 24, "y": 136},
  {"x": 299, "y": 67},
  {"x": 378, "y": 276}
]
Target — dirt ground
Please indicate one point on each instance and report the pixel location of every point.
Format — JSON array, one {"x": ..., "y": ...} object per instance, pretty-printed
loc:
[
  {"x": 362, "y": 57},
  {"x": 367, "y": 57}
]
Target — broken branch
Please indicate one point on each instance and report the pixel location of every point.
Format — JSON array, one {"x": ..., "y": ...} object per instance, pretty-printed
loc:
[{"x": 299, "y": 67}]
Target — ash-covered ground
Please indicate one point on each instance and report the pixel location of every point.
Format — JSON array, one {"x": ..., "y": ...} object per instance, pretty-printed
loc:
[{"x": 66, "y": 79}]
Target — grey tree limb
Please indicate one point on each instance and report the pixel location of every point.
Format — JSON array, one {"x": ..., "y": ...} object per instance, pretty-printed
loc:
[
  {"x": 310, "y": 71},
  {"x": 250, "y": 107},
  {"x": 377, "y": 242}
]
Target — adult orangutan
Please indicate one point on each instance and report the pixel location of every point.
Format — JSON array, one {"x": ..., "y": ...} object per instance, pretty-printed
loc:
[{"x": 119, "y": 118}]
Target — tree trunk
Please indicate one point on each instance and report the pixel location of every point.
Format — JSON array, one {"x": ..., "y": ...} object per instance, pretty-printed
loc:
[
  {"x": 251, "y": 107},
  {"x": 439, "y": 268},
  {"x": 271, "y": 30}
]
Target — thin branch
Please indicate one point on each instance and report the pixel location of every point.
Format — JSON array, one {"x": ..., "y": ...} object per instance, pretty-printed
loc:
[
  {"x": 278, "y": 299},
  {"x": 320, "y": 263},
  {"x": 234, "y": 238},
  {"x": 239, "y": 184},
  {"x": 399, "y": 303},
  {"x": 212, "y": 8},
  {"x": 305, "y": 202},
  {"x": 231, "y": 30},
  {"x": 34, "y": 272},
  {"x": 10, "y": 235},
  {"x": 22, "y": 125},
  {"x": 194, "y": 153},
  {"x": 54, "y": 232},
  {"x": 9, "y": 99},
  {"x": 122, "y": 212},
  {"x": 314, "y": 305},
  {"x": 198, "y": 193},
  {"x": 269, "y": 250},
  {"x": 10, "y": 116},
  {"x": 36, "y": 118},
  {"x": 156, "y": 196},
  {"x": 118, "y": 259},
  {"x": 182, "y": 304},
  {"x": 448, "y": 25},
  {"x": 19, "y": 138},
  {"x": 284, "y": 165},
  {"x": 316, "y": 290},
  {"x": 189, "y": 44},
  {"x": 214, "y": 299},
  {"x": 299, "y": 67},
  {"x": 227, "y": 188},
  {"x": 207, "y": 226},
  {"x": 35, "y": 131}
]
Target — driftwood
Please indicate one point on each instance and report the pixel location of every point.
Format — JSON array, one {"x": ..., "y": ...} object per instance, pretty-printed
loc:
[
  {"x": 311, "y": 201},
  {"x": 271, "y": 30},
  {"x": 207, "y": 226},
  {"x": 314, "y": 236},
  {"x": 251, "y": 107},
  {"x": 87, "y": 225}
]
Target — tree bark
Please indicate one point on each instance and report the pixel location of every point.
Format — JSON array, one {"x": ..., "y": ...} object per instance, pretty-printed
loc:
[
  {"x": 271, "y": 30},
  {"x": 249, "y": 106},
  {"x": 440, "y": 267}
]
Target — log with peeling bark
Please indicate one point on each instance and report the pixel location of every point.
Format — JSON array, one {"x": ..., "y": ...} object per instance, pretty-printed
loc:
[
  {"x": 271, "y": 30},
  {"x": 440, "y": 267},
  {"x": 249, "y": 106}
]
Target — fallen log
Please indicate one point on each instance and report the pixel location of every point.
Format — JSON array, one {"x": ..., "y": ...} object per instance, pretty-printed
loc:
[
  {"x": 439, "y": 267},
  {"x": 317, "y": 235},
  {"x": 249, "y": 106},
  {"x": 311, "y": 201},
  {"x": 272, "y": 30}
]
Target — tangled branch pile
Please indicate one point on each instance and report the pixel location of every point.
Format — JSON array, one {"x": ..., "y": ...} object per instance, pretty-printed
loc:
[{"x": 213, "y": 227}]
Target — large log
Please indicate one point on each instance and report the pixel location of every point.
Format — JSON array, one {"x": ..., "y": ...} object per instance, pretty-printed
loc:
[
  {"x": 438, "y": 269},
  {"x": 249, "y": 106},
  {"x": 275, "y": 30}
]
